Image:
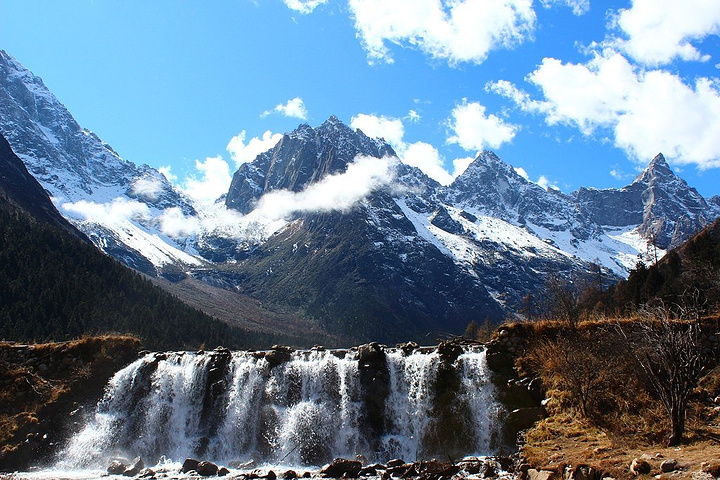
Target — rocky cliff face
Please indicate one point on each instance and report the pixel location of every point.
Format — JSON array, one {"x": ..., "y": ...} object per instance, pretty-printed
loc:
[
  {"x": 494, "y": 188},
  {"x": 300, "y": 159},
  {"x": 665, "y": 209}
]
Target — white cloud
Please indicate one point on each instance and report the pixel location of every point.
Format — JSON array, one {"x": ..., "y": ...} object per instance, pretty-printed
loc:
[
  {"x": 427, "y": 158},
  {"x": 304, "y": 6},
  {"x": 579, "y": 7},
  {"x": 213, "y": 180},
  {"x": 242, "y": 153},
  {"x": 452, "y": 30},
  {"x": 460, "y": 165},
  {"x": 419, "y": 154},
  {"x": 374, "y": 126},
  {"x": 659, "y": 31},
  {"x": 666, "y": 115},
  {"x": 146, "y": 187},
  {"x": 475, "y": 131},
  {"x": 413, "y": 116},
  {"x": 620, "y": 175},
  {"x": 112, "y": 213},
  {"x": 339, "y": 192},
  {"x": 174, "y": 223},
  {"x": 167, "y": 171},
  {"x": 471, "y": 123},
  {"x": 521, "y": 171},
  {"x": 545, "y": 183},
  {"x": 294, "y": 108},
  {"x": 646, "y": 111}
]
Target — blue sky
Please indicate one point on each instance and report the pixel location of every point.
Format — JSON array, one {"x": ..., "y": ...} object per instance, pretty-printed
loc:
[{"x": 573, "y": 92}]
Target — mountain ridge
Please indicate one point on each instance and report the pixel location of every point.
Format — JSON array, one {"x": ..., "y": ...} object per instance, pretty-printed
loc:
[
  {"x": 423, "y": 255},
  {"x": 666, "y": 209}
]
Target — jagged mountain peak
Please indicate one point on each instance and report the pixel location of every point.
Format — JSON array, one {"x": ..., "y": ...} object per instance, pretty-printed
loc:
[
  {"x": 335, "y": 130},
  {"x": 332, "y": 121},
  {"x": 657, "y": 169},
  {"x": 83, "y": 175},
  {"x": 665, "y": 209},
  {"x": 488, "y": 161},
  {"x": 301, "y": 158},
  {"x": 491, "y": 185},
  {"x": 303, "y": 130},
  {"x": 70, "y": 162}
]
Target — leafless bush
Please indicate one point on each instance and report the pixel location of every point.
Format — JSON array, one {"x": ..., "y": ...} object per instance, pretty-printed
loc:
[
  {"x": 582, "y": 371},
  {"x": 670, "y": 354}
]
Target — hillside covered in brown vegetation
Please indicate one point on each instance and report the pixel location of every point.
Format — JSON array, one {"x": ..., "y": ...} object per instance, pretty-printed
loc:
[
  {"x": 45, "y": 389},
  {"x": 599, "y": 379}
]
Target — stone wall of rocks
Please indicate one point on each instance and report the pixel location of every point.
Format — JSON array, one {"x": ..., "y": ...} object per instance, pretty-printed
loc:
[{"x": 521, "y": 394}]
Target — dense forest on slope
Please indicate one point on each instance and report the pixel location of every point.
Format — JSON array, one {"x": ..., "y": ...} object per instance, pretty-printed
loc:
[
  {"x": 686, "y": 278},
  {"x": 54, "y": 287}
]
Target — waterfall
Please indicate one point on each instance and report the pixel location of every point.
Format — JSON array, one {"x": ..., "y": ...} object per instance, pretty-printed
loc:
[{"x": 303, "y": 409}]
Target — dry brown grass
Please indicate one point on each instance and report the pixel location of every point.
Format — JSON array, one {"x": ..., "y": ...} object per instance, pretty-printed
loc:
[
  {"x": 622, "y": 419},
  {"x": 26, "y": 391},
  {"x": 561, "y": 441}
]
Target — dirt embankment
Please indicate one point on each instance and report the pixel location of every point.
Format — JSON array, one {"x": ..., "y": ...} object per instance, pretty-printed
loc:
[{"x": 45, "y": 388}]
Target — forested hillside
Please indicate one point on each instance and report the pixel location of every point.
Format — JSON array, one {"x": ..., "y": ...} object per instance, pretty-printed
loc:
[
  {"x": 686, "y": 278},
  {"x": 53, "y": 287}
]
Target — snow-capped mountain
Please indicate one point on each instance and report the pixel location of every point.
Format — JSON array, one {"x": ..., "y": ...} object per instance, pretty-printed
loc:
[
  {"x": 330, "y": 225},
  {"x": 20, "y": 190},
  {"x": 301, "y": 158},
  {"x": 662, "y": 206},
  {"x": 110, "y": 199}
]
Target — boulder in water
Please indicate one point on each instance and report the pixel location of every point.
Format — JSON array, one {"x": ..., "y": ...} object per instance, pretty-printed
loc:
[
  {"x": 239, "y": 465},
  {"x": 450, "y": 350},
  {"x": 340, "y": 467},
  {"x": 189, "y": 464},
  {"x": 146, "y": 473},
  {"x": 116, "y": 467},
  {"x": 206, "y": 469},
  {"x": 369, "y": 471},
  {"x": 278, "y": 354},
  {"x": 408, "y": 348},
  {"x": 134, "y": 468}
]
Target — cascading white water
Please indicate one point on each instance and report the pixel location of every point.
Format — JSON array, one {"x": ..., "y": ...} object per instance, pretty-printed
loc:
[
  {"x": 479, "y": 394},
  {"x": 304, "y": 411},
  {"x": 408, "y": 406}
]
